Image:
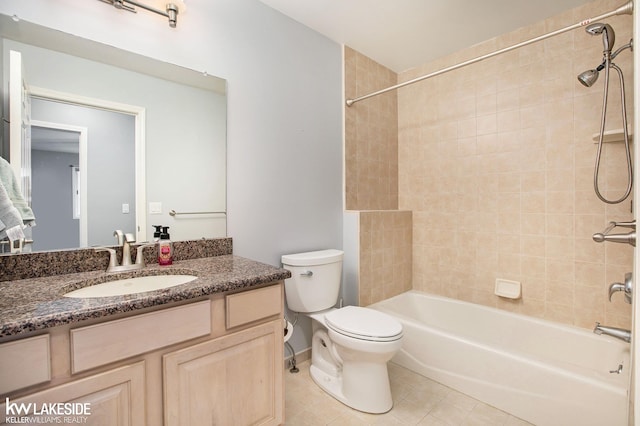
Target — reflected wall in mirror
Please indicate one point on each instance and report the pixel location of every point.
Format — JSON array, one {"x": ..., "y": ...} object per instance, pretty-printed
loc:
[
  {"x": 181, "y": 151},
  {"x": 67, "y": 182}
]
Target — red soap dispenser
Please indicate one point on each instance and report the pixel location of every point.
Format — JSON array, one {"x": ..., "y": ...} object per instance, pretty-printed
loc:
[{"x": 165, "y": 248}]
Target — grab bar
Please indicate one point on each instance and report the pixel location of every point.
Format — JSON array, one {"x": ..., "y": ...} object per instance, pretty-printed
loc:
[
  {"x": 629, "y": 238},
  {"x": 175, "y": 213}
]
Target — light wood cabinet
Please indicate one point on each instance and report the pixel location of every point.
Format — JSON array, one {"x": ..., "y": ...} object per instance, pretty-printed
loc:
[
  {"x": 111, "y": 341},
  {"x": 24, "y": 363},
  {"x": 114, "y": 397},
  {"x": 217, "y": 361},
  {"x": 232, "y": 380}
]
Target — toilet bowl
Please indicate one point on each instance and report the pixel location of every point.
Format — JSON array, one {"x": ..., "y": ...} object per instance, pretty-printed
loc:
[
  {"x": 350, "y": 346},
  {"x": 350, "y": 363}
]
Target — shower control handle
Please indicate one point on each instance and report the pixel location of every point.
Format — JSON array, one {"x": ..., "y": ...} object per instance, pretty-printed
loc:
[{"x": 629, "y": 238}]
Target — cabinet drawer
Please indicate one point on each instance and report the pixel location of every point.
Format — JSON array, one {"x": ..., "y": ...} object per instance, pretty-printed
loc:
[
  {"x": 24, "y": 363},
  {"x": 115, "y": 340},
  {"x": 253, "y": 305}
]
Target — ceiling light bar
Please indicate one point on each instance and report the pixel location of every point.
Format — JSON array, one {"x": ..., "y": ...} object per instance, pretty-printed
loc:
[{"x": 171, "y": 10}]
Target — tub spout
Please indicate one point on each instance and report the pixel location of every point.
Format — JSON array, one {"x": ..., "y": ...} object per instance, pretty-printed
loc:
[{"x": 618, "y": 333}]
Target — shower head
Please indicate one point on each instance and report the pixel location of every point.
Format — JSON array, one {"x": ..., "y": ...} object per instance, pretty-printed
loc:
[
  {"x": 589, "y": 77},
  {"x": 608, "y": 35}
]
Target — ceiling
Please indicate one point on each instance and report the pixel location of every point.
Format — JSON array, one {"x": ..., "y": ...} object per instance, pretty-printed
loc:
[
  {"x": 57, "y": 140},
  {"x": 403, "y": 34}
]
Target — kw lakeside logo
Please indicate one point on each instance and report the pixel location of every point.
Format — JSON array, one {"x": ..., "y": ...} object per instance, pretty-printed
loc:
[{"x": 47, "y": 413}]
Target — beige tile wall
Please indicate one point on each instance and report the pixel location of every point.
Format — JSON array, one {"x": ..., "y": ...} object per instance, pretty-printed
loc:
[
  {"x": 371, "y": 150},
  {"x": 495, "y": 161},
  {"x": 385, "y": 255}
]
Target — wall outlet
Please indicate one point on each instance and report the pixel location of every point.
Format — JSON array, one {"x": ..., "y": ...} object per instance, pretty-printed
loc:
[{"x": 125, "y": 208}]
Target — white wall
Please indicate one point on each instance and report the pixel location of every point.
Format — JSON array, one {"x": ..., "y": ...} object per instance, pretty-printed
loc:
[{"x": 284, "y": 109}]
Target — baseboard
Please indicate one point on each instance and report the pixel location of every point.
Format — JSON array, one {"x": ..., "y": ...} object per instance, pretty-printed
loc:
[{"x": 301, "y": 356}]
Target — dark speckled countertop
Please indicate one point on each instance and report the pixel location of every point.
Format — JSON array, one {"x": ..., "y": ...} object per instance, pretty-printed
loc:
[{"x": 35, "y": 304}]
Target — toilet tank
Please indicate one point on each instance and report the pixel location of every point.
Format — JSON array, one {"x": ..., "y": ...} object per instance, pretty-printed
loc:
[{"x": 315, "y": 280}]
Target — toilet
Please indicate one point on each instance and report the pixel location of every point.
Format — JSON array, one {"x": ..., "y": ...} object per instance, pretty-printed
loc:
[{"x": 351, "y": 346}]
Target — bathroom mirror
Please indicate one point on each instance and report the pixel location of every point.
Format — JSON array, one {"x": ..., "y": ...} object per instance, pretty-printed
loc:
[{"x": 179, "y": 147}]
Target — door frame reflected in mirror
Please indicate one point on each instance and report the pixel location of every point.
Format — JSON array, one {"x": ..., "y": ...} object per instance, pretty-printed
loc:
[{"x": 138, "y": 114}]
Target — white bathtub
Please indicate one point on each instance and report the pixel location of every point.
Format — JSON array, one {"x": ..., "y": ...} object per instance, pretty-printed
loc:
[{"x": 540, "y": 371}]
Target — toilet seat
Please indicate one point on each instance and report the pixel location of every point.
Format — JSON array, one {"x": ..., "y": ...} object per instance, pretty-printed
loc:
[{"x": 364, "y": 324}]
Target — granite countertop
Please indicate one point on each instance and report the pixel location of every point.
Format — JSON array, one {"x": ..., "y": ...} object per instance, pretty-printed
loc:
[{"x": 35, "y": 304}]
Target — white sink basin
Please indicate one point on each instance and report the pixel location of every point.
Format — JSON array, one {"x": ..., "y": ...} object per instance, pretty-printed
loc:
[{"x": 131, "y": 286}]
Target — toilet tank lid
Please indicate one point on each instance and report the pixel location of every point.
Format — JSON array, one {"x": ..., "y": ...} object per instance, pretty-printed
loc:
[{"x": 311, "y": 258}]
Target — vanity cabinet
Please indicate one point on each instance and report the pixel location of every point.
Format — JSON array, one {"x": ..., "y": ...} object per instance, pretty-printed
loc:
[
  {"x": 24, "y": 363},
  {"x": 114, "y": 397},
  {"x": 216, "y": 360},
  {"x": 233, "y": 380},
  {"x": 236, "y": 379}
]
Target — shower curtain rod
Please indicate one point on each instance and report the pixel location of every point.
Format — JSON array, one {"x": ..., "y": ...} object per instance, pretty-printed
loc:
[{"x": 626, "y": 9}]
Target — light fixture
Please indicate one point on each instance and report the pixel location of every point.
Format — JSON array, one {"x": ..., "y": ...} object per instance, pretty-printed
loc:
[{"x": 171, "y": 9}]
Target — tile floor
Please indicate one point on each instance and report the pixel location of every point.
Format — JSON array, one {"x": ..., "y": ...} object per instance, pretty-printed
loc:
[{"x": 417, "y": 401}]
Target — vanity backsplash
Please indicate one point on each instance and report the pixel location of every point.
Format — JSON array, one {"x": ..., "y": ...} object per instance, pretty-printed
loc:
[{"x": 43, "y": 264}]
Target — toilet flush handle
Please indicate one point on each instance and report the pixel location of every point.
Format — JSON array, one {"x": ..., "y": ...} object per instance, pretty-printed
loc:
[{"x": 307, "y": 273}]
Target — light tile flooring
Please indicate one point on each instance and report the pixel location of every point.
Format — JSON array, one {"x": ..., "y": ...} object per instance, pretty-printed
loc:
[{"x": 417, "y": 401}]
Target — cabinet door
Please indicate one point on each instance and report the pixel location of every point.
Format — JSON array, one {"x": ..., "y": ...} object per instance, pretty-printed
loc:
[
  {"x": 115, "y": 397},
  {"x": 233, "y": 380}
]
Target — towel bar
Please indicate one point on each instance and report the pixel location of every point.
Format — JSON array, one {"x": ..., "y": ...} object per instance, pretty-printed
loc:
[{"x": 175, "y": 213}]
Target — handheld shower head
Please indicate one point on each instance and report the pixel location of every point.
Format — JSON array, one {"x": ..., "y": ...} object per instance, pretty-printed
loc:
[
  {"x": 589, "y": 77},
  {"x": 608, "y": 35}
]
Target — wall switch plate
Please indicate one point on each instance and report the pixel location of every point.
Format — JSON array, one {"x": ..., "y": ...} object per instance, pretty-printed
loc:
[{"x": 155, "y": 208}]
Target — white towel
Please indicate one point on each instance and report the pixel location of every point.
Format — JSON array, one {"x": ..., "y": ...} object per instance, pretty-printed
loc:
[
  {"x": 11, "y": 223},
  {"x": 8, "y": 179}
]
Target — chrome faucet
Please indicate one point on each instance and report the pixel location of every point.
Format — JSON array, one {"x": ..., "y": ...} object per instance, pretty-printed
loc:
[
  {"x": 125, "y": 241},
  {"x": 616, "y": 332}
]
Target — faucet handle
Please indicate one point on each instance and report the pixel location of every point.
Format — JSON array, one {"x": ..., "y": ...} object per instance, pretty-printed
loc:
[
  {"x": 113, "y": 258},
  {"x": 140, "y": 254},
  {"x": 129, "y": 238}
]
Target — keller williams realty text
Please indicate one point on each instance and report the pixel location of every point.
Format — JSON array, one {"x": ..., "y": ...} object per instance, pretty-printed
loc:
[{"x": 50, "y": 409}]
